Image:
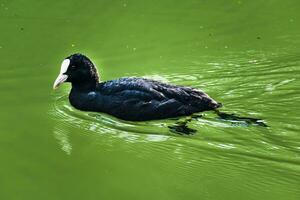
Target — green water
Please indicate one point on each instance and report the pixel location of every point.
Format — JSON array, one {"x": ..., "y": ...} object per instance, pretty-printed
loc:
[{"x": 245, "y": 54}]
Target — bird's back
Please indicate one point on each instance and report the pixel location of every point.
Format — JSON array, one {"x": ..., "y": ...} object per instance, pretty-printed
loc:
[{"x": 140, "y": 99}]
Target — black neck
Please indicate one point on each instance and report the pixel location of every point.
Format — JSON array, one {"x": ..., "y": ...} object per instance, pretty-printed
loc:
[{"x": 85, "y": 86}]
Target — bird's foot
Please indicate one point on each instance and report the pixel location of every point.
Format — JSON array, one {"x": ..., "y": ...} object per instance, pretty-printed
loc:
[
  {"x": 180, "y": 127},
  {"x": 234, "y": 118}
]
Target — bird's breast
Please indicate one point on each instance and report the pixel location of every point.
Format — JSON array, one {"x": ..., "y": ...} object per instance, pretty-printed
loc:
[{"x": 84, "y": 100}]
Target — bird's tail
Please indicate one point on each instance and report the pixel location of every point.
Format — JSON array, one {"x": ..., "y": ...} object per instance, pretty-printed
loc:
[
  {"x": 234, "y": 117},
  {"x": 219, "y": 105}
]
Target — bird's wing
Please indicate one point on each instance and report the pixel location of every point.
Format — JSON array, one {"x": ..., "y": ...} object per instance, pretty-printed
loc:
[
  {"x": 131, "y": 87},
  {"x": 186, "y": 95},
  {"x": 147, "y": 89},
  {"x": 181, "y": 93}
]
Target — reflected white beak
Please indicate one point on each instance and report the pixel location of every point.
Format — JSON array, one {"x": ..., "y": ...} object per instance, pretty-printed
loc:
[{"x": 60, "y": 80}]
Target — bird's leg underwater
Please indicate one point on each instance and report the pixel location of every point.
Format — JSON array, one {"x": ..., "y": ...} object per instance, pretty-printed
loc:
[
  {"x": 234, "y": 117},
  {"x": 181, "y": 127}
]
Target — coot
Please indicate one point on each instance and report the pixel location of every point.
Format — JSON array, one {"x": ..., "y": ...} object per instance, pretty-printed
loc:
[{"x": 133, "y": 99}]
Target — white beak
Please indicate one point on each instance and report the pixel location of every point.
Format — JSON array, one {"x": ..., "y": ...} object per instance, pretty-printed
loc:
[
  {"x": 60, "y": 80},
  {"x": 62, "y": 77}
]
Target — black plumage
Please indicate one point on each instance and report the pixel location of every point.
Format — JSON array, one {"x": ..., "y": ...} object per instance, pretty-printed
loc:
[{"x": 134, "y": 99}]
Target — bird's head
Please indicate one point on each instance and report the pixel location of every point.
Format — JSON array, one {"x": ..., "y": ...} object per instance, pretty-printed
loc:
[{"x": 78, "y": 70}]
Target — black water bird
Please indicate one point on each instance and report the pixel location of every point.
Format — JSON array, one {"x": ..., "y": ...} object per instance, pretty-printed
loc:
[
  {"x": 133, "y": 99},
  {"x": 137, "y": 99}
]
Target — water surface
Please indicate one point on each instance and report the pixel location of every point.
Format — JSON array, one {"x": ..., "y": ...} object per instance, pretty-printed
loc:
[{"x": 244, "y": 54}]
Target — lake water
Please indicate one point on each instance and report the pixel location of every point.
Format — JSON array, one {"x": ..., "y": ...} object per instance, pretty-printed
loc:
[{"x": 244, "y": 54}]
